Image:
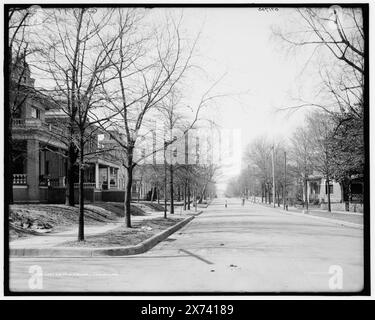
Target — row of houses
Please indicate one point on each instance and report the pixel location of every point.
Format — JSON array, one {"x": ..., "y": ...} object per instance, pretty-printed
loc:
[
  {"x": 39, "y": 151},
  {"x": 318, "y": 190}
]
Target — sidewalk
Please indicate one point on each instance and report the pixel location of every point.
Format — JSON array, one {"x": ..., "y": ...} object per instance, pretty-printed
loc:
[
  {"x": 333, "y": 211},
  {"x": 49, "y": 245},
  {"x": 349, "y": 218}
]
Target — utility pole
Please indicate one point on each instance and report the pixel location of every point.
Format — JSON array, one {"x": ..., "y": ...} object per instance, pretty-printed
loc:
[
  {"x": 250, "y": 182},
  {"x": 273, "y": 175},
  {"x": 284, "y": 189}
]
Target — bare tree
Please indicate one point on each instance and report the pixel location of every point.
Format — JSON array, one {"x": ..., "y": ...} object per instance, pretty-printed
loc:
[
  {"x": 301, "y": 155},
  {"x": 337, "y": 36},
  {"x": 258, "y": 154},
  {"x": 207, "y": 174},
  {"x": 77, "y": 53},
  {"x": 169, "y": 108},
  {"x": 147, "y": 67},
  {"x": 320, "y": 134}
]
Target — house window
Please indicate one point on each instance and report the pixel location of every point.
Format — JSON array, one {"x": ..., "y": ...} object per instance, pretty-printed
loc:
[
  {"x": 35, "y": 113},
  {"x": 356, "y": 188},
  {"x": 330, "y": 189}
]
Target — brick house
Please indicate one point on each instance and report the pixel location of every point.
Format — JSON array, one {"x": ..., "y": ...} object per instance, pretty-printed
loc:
[{"x": 39, "y": 154}]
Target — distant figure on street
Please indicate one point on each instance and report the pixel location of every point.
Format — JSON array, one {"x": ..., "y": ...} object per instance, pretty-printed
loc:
[
  {"x": 226, "y": 203},
  {"x": 243, "y": 201}
]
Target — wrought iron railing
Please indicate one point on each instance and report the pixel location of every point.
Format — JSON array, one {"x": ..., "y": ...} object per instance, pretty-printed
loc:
[
  {"x": 86, "y": 185},
  {"x": 57, "y": 182},
  {"x": 18, "y": 122},
  {"x": 19, "y": 179},
  {"x": 44, "y": 180}
]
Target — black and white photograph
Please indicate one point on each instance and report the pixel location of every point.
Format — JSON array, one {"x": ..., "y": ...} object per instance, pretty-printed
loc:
[{"x": 186, "y": 149}]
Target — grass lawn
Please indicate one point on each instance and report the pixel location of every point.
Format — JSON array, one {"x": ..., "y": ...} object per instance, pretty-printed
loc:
[
  {"x": 136, "y": 209},
  {"x": 123, "y": 236},
  {"x": 27, "y": 220}
]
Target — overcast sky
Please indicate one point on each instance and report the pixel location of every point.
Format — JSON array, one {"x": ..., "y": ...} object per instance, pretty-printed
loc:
[
  {"x": 236, "y": 44},
  {"x": 260, "y": 76},
  {"x": 239, "y": 44}
]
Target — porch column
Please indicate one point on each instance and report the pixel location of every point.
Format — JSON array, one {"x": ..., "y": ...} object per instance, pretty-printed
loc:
[
  {"x": 42, "y": 159},
  {"x": 97, "y": 186},
  {"x": 118, "y": 178},
  {"x": 33, "y": 169},
  {"x": 109, "y": 177}
]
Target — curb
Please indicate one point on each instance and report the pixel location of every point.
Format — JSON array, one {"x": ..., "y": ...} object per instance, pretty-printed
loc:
[
  {"x": 105, "y": 251},
  {"x": 334, "y": 221}
]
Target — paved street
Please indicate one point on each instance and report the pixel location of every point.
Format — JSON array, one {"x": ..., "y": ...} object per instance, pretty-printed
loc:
[{"x": 234, "y": 249}]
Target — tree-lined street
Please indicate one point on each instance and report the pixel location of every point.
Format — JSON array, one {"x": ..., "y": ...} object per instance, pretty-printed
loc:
[
  {"x": 235, "y": 249},
  {"x": 123, "y": 123}
]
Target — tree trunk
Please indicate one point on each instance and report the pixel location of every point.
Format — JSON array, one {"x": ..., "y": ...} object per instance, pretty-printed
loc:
[
  {"x": 139, "y": 190},
  {"x": 69, "y": 183},
  {"x": 349, "y": 193},
  {"x": 328, "y": 194},
  {"x": 165, "y": 199},
  {"x": 188, "y": 192},
  {"x": 269, "y": 194},
  {"x": 195, "y": 199},
  {"x": 128, "y": 193},
  {"x": 202, "y": 193},
  {"x": 306, "y": 195},
  {"x": 171, "y": 188},
  {"x": 152, "y": 194},
  {"x": 81, "y": 235},
  {"x": 185, "y": 196},
  {"x": 265, "y": 194},
  {"x": 165, "y": 184}
]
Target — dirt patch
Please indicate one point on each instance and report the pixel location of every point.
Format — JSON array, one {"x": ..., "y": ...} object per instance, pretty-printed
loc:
[
  {"x": 154, "y": 206},
  {"x": 32, "y": 219},
  {"x": 123, "y": 236},
  {"x": 118, "y": 208}
]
